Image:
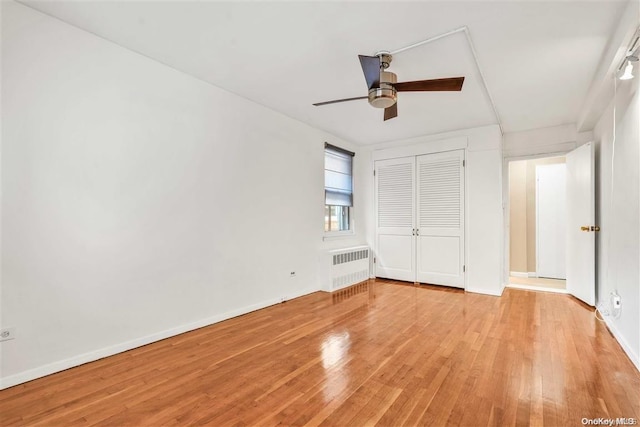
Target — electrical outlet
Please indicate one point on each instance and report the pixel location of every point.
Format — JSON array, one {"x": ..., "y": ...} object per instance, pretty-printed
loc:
[
  {"x": 616, "y": 301},
  {"x": 7, "y": 334},
  {"x": 292, "y": 274}
]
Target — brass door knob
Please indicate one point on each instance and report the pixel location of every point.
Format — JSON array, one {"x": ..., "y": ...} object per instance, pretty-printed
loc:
[
  {"x": 583, "y": 228},
  {"x": 595, "y": 228}
]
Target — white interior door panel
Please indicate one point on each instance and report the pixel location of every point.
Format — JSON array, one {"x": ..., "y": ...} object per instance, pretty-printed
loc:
[
  {"x": 440, "y": 218},
  {"x": 395, "y": 217},
  {"x": 581, "y": 279}
]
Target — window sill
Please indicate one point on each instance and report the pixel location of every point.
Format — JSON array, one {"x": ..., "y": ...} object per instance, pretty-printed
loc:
[{"x": 338, "y": 235}]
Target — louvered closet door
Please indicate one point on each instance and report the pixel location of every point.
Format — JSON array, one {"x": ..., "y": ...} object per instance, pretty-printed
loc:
[
  {"x": 440, "y": 219},
  {"x": 395, "y": 215}
]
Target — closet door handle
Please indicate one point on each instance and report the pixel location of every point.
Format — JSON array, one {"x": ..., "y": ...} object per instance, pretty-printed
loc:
[
  {"x": 413, "y": 232},
  {"x": 417, "y": 231}
]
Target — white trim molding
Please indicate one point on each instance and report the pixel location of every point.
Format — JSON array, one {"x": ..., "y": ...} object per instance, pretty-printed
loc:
[
  {"x": 484, "y": 291},
  {"x": 537, "y": 288},
  {"x": 419, "y": 146},
  {"x": 519, "y": 274}
]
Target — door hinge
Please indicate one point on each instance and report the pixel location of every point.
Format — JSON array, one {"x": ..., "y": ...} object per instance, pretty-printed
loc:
[
  {"x": 464, "y": 163},
  {"x": 374, "y": 172},
  {"x": 374, "y": 260},
  {"x": 464, "y": 268}
]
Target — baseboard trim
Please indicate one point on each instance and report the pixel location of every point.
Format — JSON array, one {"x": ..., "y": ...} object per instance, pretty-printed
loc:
[
  {"x": 623, "y": 343},
  {"x": 92, "y": 356},
  {"x": 538, "y": 288},
  {"x": 518, "y": 274},
  {"x": 484, "y": 292},
  {"x": 523, "y": 274}
]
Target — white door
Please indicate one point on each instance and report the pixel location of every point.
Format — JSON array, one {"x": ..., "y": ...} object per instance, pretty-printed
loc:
[
  {"x": 440, "y": 219},
  {"x": 395, "y": 216},
  {"x": 581, "y": 224},
  {"x": 551, "y": 212}
]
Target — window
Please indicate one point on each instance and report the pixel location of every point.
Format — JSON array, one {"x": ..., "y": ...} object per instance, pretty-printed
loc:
[{"x": 338, "y": 188}]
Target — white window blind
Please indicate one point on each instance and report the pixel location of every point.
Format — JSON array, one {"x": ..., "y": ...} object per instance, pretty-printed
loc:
[{"x": 338, "y": 179}]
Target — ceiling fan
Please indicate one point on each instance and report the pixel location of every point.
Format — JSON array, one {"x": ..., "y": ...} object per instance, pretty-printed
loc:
[{"x": 384, "y": 87}]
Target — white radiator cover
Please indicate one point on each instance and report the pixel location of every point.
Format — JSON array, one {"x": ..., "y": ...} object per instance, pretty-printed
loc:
[{"x": 347, "y": 267}]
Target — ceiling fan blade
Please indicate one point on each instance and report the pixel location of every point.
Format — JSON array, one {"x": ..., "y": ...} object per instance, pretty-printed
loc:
[
  {"x": 335, "y": 101},
  {"x": 453, "y": 84},
  {"x": 391, "y": 112},
  {"x": 371, "y": 69}
]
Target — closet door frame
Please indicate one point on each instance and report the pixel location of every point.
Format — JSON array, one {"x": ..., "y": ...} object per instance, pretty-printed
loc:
[{"x": 418, "y": 149}]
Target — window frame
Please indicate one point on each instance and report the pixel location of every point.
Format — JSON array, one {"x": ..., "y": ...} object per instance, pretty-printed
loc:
[
  {"x": 334, "y": 234},
  {"x": 328, "y": 209}
]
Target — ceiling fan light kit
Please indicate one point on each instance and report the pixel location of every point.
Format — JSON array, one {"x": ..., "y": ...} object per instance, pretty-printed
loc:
[{"x": 385, "y": 95}]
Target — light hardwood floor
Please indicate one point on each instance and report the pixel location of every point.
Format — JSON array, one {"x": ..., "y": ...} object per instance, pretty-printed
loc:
[{"x": 378, "y": 353}]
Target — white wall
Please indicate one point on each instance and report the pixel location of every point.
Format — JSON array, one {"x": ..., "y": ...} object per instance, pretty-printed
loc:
[
  {"x": 544, "y": 141},
  {"x": 485, "y": 211},
  {"x": 139, "y": 202},
  {"x": 618, "y": 213},
  {"x": 617, "y": 152},
  {"x": 484, "y": 221}
]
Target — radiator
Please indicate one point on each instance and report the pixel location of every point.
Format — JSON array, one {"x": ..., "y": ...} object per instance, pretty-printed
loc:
[{"x": 347, "y": 267}]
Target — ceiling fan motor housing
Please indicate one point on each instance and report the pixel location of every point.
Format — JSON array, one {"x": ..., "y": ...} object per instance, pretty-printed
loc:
[{"x": 385, "y": 95}]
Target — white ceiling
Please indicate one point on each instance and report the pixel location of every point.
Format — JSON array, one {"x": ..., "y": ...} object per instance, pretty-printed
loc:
[{"x": 538, "y": 58}]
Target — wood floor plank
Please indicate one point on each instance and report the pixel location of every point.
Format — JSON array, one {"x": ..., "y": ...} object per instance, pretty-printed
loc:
[{"x": 379, "y": 353}]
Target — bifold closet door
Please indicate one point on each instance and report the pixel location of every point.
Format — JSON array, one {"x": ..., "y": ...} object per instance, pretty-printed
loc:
[
  {"x": 395, "y": 216},
  {"x": 440, "y": 219}
]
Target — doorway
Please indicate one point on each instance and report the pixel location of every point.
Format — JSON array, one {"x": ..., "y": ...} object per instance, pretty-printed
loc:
[{"x": 537, "y": 228}]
